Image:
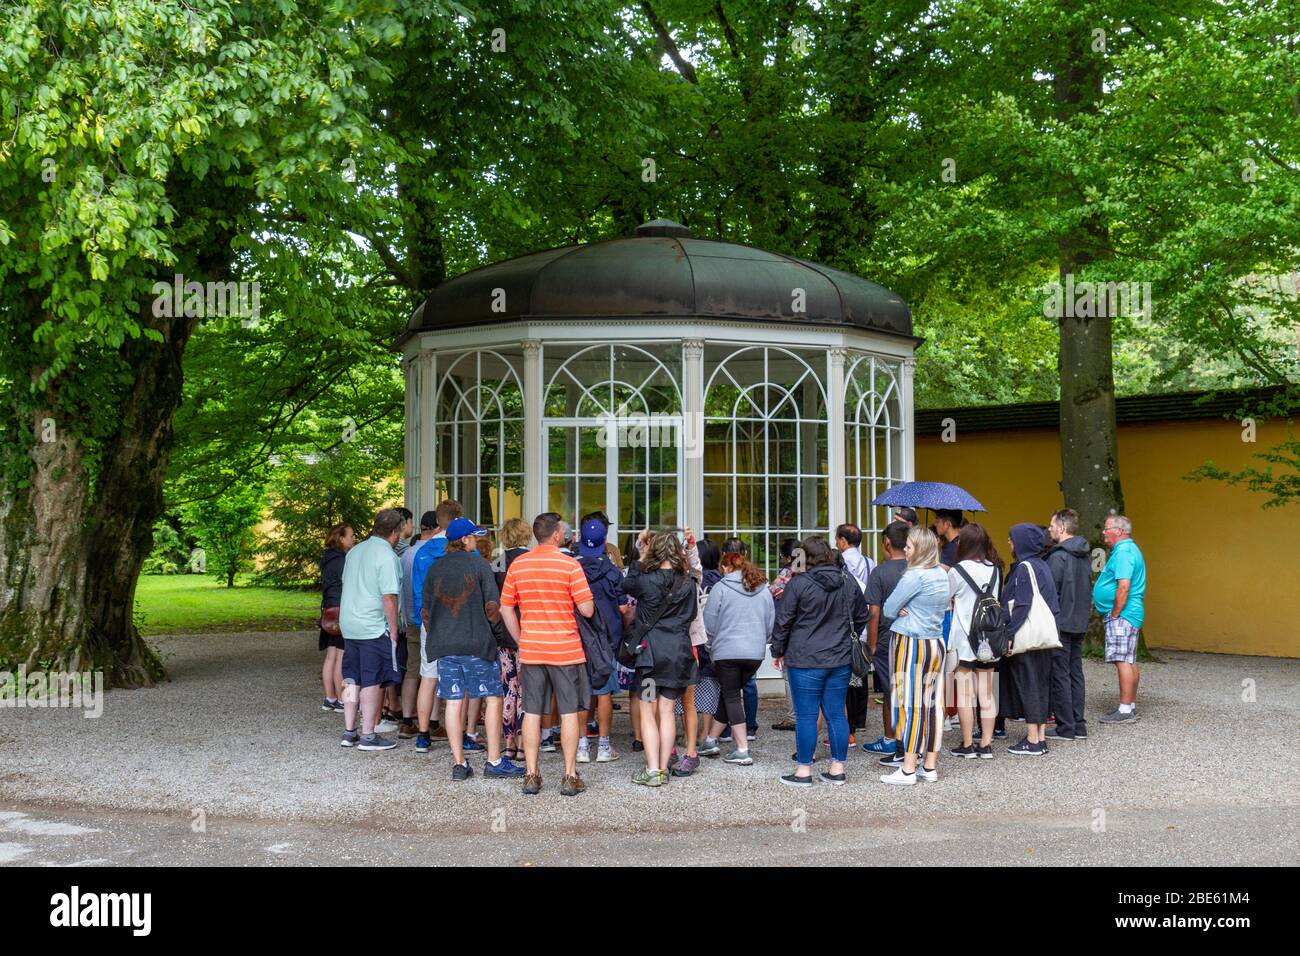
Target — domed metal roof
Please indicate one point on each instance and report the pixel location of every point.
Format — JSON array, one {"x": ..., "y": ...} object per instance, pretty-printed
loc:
[{"x": 661, "y": 272}]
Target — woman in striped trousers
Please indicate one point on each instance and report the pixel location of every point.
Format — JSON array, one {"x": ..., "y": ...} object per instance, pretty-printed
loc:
[{"x": 917, "y": 606}]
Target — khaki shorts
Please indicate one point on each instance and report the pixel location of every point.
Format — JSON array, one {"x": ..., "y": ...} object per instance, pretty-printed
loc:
[
  {"x": 428, "y": 668},
  {"x": 568, "y": 682}
]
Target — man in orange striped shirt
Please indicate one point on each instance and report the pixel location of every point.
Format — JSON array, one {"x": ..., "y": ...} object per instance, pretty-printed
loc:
[{"x": 541, "y": 591}]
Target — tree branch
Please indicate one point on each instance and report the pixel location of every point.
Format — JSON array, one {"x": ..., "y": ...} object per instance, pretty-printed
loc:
[{"x": 683, "y": 65}]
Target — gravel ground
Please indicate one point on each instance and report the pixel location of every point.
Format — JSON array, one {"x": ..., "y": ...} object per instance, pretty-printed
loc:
[{"x": 237, "y": 734}]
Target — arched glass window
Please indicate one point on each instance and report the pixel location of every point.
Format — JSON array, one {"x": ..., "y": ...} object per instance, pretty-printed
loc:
[
  {"x": 612, "y": 418},
  {"x": 765, "y": 447},
  {"x": 479, "y": 436},
  {"x": 873, "y": 424}
]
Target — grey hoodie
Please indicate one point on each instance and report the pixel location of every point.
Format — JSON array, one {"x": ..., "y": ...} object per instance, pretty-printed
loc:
[
  {"x": 737, "y": 621},
  {"x": 1070, "y": 563}
]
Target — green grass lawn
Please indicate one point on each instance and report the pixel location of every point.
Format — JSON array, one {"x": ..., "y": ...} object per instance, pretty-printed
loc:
[{"x": 192, "y": 603}]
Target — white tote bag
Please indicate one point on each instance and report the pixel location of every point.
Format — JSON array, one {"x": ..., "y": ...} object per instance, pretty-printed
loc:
[{"x": 1038, "y": 633}]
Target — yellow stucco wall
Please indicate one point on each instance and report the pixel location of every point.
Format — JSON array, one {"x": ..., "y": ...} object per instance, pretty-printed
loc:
[{"x": 1223, "y": 574}]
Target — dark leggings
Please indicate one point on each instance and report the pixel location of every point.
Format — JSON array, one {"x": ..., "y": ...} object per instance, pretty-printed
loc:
[{"x": 733, "y": 676}]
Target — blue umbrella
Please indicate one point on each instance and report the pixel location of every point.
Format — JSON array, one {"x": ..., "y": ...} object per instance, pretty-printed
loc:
[{"x": 934, "y": 495}]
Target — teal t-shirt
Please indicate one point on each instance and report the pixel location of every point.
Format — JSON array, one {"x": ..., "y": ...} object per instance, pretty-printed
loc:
[
  {"x": 371, "y": 570},
  {"x": 1125, "y": 561}
]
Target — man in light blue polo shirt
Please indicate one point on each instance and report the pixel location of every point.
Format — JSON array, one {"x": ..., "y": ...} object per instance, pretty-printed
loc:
[
  {"x": 1118, "y": 597},
  {"x": 368, "y": 609}
]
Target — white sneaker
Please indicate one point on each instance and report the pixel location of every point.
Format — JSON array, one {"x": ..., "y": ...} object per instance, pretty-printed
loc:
[
  {"x": 606, "y": 755},
  {"x": 898, "y": 778},
  {"x": 929, "y": 776},
  {"x": 947, "y": 724},
  {"x": 584, "y": 752},
  {"x": 385, "y": 727}
]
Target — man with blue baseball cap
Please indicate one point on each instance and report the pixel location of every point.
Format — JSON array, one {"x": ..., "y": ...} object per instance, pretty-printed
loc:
[
  {"x": 606, "y": 583},
  {"x": 460, "y": 605}
]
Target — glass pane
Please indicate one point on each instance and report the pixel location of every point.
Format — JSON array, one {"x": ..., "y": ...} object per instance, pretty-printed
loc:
[
  {"x": 514, "y": 447},
  {"x": 717, "y": 501},
  {"x": 631, "y": 458},
  {"x": 591, "y": 453},
  {"x": 562, "y": 494},
  {"x": 663, "y": 503},
  {"x": 591, "y": 497},
  {"x": 717, "y": 447},
  {"x": 632, "y": 506}
]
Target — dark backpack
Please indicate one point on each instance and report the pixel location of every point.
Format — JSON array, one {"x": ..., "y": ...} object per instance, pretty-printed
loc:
[
  {"x": 990, "y": 624},
  {"x": 595, "y": 644}
]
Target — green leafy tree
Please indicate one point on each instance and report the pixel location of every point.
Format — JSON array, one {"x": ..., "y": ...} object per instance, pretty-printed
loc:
[
  {"x": 308, "y": 497},
  {"x": 224, "y": 527},
  {"x": 148, "y": 140}
]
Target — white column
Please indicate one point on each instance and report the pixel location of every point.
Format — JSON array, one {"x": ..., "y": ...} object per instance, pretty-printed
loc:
[
  {"x": 836, "y": 452},
  {"x": 410, "y": 426},
  {"x": 691, "y": 495},
  {"x": 534, "y": 447},
  {"x": 427, "y": 412},
  {"x": 909, "y": 421}
]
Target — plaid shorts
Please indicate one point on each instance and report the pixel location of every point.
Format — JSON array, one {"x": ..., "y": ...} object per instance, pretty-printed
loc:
[{"x": 1121, "y": 641}]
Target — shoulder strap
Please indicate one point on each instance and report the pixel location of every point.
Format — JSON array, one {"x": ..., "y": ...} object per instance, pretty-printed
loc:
[{"x": 982, "y": 592}]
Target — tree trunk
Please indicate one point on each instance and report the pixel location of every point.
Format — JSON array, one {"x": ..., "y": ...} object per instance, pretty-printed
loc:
[
  {"x": 73, "y": 544},
  {"x": 1089, "y": 449},
  {"x": 69, "y": 563}
]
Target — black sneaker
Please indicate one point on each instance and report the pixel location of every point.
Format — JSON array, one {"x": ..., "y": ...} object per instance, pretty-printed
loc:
[
  {"x": 1042, "y": 745},
  {"x": 984, "y": 753},
  {"x": 999, "y": 735},
  {"x": 1053, "y": 735},
  {"x": 637, "y": 747},
  {"x": 837, "y": 779},
  {"x": 967, "y": 751},
  {"x": 1081, "y": 734},
  {"x": 892, "y": 760},
  {"x": 790, "y": 780},
  {"x": 1025, "y": 749},
  {"x": 462, "y": 771}
]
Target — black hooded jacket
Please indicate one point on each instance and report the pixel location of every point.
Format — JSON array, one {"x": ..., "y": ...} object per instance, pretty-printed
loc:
[
  {"x": 1027, "y": 539},
  {"x": 666, "y": 603},
  {"x": 812, "y": 618},
  {"x": 1071, "y": 569},
  {"x": 331, "y": 577}
]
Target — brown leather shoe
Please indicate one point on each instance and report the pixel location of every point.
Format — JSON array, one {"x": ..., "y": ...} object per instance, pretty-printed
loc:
[
  {"x": 407, "y": 729},
  {"x": 572, "y": 786},
  {"x": 533, "y": 783},
  {"x": 439, "y": 732}
]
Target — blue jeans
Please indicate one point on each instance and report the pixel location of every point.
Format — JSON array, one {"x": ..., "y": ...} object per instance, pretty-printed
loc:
[
  {"x": 751, "y": 704},
  {"x": 824, "y": 689}
]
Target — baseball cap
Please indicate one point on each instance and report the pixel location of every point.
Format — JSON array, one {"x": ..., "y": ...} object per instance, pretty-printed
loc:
[
  {"x": 428, "y": 521},
  {"x": 591, "y": 542},
  {"x": 462, "y": 527}
]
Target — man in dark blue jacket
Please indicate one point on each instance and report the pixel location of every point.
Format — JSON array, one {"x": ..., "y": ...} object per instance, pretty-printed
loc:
[
  {"x": 606, "y": 583},
  {"x": 1069, "y": 562}
]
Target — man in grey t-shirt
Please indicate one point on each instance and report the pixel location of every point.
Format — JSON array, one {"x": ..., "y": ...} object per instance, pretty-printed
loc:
[{"x": 459, "y": 604}]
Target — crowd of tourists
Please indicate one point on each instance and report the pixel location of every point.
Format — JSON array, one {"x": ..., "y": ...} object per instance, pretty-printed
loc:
[{"x": 530, "y": 646}]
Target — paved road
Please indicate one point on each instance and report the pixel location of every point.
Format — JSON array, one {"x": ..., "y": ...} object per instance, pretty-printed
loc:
[{"x": 41, "y": 836}]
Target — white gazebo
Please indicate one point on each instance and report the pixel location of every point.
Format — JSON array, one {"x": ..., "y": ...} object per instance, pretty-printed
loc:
[{"x": 667, "y": 381}]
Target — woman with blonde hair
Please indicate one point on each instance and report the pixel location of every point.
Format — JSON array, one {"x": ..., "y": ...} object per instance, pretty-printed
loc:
[
  {"x": 665, "y": 606},
  {"x": 917, "y": 606}
]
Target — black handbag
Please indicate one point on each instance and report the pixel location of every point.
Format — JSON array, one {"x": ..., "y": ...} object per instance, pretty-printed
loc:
[
  {"x": 859, "y": 659},
  {"x": 629, "y": 649}
]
